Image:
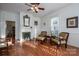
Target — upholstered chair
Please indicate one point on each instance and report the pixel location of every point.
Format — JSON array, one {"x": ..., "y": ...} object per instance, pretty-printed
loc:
[
  {"x": 62, "y": 39},
  {"x": 3, "y": 47},
  {"x": 41, "y": 37}
]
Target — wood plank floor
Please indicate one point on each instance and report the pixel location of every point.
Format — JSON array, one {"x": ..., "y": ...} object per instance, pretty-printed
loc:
[{"x": 31, "y": 48}]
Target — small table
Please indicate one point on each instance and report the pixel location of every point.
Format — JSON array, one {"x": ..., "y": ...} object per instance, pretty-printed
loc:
[{"x": 48, "y": 39}]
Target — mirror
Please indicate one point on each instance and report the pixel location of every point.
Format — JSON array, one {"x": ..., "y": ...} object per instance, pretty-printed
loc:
[{"x": 26, "y": 19}]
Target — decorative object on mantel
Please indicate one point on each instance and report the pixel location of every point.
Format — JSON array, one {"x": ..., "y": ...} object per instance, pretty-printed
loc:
[
  {"x": 26, "y": 22},
  {"x": 36, "y": 23},
  {"x": 72, "y": 22}
]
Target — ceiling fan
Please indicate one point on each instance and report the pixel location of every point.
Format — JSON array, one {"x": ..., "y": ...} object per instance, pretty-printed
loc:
[{"x": 34, "y": 7}]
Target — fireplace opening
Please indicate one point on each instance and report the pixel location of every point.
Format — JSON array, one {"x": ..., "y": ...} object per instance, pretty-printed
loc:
[{"x": 26, "y": 35}]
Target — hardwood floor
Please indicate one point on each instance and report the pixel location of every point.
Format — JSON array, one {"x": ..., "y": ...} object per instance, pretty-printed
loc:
[{"x": 31, "y": 48}]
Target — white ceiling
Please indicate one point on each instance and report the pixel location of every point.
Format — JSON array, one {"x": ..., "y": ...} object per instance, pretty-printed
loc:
[{"x": 17, "y": 7}]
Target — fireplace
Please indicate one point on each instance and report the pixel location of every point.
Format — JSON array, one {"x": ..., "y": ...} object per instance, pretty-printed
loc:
[{"x": 26, "y": 35}]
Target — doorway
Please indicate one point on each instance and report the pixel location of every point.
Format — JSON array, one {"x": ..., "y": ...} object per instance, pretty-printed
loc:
[{"x": 10, "y": 31}]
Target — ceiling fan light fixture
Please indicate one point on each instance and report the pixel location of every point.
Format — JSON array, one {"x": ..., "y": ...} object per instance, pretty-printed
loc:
[
  {"x": 33, "y": 9},
  {"x": 36, "y": 8}
]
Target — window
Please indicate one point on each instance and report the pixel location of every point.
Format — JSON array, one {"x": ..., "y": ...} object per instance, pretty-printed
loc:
[{"x": 55, "y": 26}]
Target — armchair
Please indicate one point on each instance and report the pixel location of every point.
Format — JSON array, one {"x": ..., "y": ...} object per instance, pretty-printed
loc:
[
  {"x": 62, "y": 39},
  {"x": 3, "y": 47},
  {"x": 42, "y": 36}
]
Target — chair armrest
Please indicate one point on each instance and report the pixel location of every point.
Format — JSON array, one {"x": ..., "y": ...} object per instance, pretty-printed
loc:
[
  {"x": 59, "y": 38},
  {"x": 53, "y": 37},
  {"x": 56, "y": 38}
]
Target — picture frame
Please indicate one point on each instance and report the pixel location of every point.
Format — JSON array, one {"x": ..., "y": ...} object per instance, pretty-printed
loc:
[
  {"x": 26, "y": 22},
  {"x": 72, "y": 22}
]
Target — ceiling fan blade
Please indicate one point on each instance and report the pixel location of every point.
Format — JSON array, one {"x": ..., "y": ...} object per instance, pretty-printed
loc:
[
  {"x": 35, "y": 3},
  {"x": 28, "y": 4},
  {"x": 32, "y": 10},
  {"x": 41, "y": 8},
  {"x": 29, "y": 9}
]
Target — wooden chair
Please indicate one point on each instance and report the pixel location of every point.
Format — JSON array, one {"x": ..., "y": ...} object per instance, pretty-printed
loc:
[
  {"x": 3, "y": 47},
  {"x": 62, "y": 39}
]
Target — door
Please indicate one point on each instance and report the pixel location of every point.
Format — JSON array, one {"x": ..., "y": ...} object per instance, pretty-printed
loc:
[{"x": 10, "y": 30}]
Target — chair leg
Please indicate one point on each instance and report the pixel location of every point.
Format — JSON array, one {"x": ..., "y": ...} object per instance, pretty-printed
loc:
[
  {"x": 65, "y": 45},
  {"x": 58, "y": 45},
  {"x": 7, "y": 51},
  {"x": 40, "y": 42}
]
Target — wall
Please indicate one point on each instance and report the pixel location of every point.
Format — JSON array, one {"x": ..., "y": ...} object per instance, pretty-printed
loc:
[
  {"x": 10, "y": 16},
  {"x": 0, "y": 24},
  {"x": 28, "y": 29},
  {"x": 63, "y": 14},
  {"x": 18, "y": 18}
]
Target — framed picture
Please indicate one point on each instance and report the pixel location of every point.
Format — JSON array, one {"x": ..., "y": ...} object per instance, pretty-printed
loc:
[
  {"x": 72, "y": 22},
  {"x": 26, "y": 21}
]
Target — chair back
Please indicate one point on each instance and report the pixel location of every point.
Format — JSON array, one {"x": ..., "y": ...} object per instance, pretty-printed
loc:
[
  {"x": 43, "y": 33},
  {"x": 64, "y": 35}
]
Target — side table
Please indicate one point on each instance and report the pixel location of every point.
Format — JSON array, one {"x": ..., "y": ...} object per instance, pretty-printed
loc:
[{"x": 48, "y": 39}]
